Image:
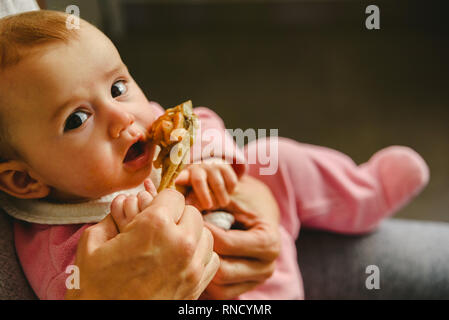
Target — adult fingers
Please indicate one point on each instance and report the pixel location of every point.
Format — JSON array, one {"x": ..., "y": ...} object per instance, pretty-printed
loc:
[
  {"x": 197, "y": 247},
  {"x": 235, "y": 270},
  {"x": 191, "y": 225},
  {"x": 208, "y": 274},
  {"x": 168, "y": 203},
  {"x": 205, "y": 247},
  {"x": 227, "y": 292},
  {"x": 260, "y": 242},
  {"x": 96, "y": 235}
]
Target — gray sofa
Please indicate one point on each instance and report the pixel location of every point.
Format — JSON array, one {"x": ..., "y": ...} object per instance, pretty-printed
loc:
[{"x": 412, "y": 257}]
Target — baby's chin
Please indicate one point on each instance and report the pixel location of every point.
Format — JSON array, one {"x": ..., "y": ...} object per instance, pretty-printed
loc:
[{"x": 59, "y": 196}]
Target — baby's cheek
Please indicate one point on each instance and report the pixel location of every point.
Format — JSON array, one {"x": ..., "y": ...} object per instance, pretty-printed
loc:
[
  {"x": 97, "y": 170},
  {"x": 104, "y": 170},
  {"x": 154, "y": 111},
  {"x": 98, "y": 181}
]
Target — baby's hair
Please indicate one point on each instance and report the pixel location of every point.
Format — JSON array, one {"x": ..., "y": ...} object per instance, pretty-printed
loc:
[
  {"x": 22, "y": 32},
  {"x": 20, "y": 35}
]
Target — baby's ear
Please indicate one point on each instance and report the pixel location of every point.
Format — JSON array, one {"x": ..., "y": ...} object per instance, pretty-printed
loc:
[{"x": 16, "y": 180}]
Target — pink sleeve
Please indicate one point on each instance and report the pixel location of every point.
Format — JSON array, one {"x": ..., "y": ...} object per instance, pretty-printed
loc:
[
  {"x": 213, "y": 141},
  {"x": 322, "y": 188},
  {"x": 333, "y": 193},
  {"x": 44, "y": 253}
]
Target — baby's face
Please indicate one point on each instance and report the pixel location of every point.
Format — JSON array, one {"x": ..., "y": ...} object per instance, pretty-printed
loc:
[{"x": 76, "y": 116}]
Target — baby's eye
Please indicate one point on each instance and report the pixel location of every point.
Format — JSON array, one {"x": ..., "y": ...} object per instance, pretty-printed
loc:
[
  {"x": 118, "y": 89},
  {"x": 75, "y": 120}
]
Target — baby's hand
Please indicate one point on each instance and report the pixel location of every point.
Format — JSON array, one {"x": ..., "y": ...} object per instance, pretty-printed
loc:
[
  {"x": 125, "y": 207},
  {"x": 212, "y": 183}
]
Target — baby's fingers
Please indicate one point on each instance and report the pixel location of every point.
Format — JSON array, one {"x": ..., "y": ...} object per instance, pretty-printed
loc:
[
  {"x": 144, "y": 199},
  {"x": 131, "y": 208},
  {"x": 117, "y": 212},
  {"x": 230, "y": 177},
  {"x": 150, "y": 187},
  {"x": 125, "y": 208},
  {"x": 198, "y": 177},
  {"x": 217, "y": 184},
  {"x": 184, "y": 178}
]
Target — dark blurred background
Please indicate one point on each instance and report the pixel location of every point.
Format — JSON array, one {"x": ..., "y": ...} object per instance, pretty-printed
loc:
[{"x": 309, "y": 68}]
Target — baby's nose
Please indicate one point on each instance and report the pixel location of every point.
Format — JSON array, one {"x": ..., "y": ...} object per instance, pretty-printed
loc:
[{"x": 119, "y": 122}]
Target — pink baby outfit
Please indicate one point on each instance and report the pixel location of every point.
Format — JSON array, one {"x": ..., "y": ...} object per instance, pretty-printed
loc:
[
  {"x": 314, "y": 187},
  {"x": 321, "y": 188}
]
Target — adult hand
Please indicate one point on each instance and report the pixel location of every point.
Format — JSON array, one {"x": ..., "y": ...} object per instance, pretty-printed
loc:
[
  {"x": 164, "y": 253},
  {"x": 247, "y": 256}
]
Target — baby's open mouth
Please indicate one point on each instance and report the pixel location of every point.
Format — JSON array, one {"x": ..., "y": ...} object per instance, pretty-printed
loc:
[
  {"x": 139, "y": 155},
  {"x": 137, "y": 150}
]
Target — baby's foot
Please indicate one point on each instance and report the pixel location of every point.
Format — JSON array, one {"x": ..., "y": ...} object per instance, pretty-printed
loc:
[
  {"x": 402, "y": 173},
  {"x": 125, "y": 207}
]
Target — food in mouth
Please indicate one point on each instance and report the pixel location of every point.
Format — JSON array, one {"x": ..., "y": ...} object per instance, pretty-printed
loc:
[{"x": 174, "y": 132}]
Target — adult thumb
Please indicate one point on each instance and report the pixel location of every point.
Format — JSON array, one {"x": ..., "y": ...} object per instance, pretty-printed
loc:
[{"x": 99, "y": 233}]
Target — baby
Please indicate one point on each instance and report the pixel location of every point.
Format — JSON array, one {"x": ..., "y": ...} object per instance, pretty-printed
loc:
[{"x": 71, "y": 119}]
